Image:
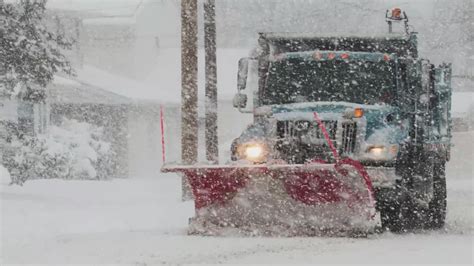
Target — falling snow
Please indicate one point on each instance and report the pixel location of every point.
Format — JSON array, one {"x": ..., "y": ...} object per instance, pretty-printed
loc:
[{"x": 344, "y": 132}]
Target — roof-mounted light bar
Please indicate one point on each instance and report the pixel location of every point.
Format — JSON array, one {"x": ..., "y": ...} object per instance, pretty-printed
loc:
[{"x": 396, "y": 15}]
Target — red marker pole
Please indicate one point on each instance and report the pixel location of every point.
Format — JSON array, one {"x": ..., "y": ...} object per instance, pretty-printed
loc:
[{"x": 162, "y": 125}]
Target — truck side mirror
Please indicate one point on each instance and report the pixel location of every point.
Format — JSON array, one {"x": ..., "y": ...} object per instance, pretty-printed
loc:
[
  {"x": 240, "y": 100},
  {"x": 443, "y": 91},
  {"x": 242, "y": 74}
]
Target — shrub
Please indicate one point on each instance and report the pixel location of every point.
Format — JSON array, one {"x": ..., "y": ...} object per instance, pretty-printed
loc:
[{"x": 74, "y": 150}]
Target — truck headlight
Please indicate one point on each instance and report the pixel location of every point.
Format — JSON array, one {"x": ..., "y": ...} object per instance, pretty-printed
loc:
[
  {"x": 376, "y": 151},
  {"x": 254, "y": 152},
  {"x": 382, "y": 152}
]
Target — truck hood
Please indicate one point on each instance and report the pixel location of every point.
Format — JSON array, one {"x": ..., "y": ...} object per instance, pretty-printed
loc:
[{"x": 374, "y": 115}]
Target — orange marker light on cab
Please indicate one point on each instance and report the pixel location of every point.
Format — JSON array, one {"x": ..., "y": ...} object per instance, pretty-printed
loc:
[{"x": 358, "y": 112}]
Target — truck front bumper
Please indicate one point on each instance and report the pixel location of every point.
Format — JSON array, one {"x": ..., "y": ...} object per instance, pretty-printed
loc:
[
  {"x": 387, "y": 188},
  {"x": 383, "y": 177}
]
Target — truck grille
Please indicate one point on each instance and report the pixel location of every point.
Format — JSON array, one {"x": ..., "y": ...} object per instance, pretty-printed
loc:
[
  {"x": 299, "y": 129},
  {"x": 301, "y": 140},
  {"x": 349, "y": 134}
]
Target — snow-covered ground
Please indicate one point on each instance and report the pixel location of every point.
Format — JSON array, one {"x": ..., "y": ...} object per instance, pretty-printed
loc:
[{"x": 143, "y": 222}]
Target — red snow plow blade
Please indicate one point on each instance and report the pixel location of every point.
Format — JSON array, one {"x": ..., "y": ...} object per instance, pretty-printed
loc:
[{"x": 281, "y": 199}]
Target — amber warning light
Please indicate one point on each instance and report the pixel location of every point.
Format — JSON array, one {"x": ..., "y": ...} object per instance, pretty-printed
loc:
[
  {"x": 396, "y": 14},
  {"x": 358, "y": 112}
]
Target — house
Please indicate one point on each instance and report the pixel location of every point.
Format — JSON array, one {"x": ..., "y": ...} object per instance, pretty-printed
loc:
[
  {"x": 131, "y": 124},
  {"x": 143, "y": 140}
]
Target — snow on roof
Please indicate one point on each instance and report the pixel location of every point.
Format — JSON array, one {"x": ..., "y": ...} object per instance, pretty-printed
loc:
[
  {"x": 65, "y": 90},
  {"x": 127, "y": 87}
]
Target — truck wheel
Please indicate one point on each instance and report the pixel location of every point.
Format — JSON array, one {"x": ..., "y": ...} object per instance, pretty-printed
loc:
[
  {"x": 398, "y": 217},
  {"x": 406, "y": 213},
  {"x": 437, "y": 206},
  {"x": 391, "y": 218}
]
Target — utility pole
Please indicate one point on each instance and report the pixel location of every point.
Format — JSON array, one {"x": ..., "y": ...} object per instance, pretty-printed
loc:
[
  {"x": 189, "y": 90},
  {"x": 189, "y": 71},
  {"x": 212, "y": 142}
]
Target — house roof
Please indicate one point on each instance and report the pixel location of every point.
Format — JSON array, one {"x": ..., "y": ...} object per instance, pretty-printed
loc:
[
  {"x": 65, "y": 90},
  {"x": 129, "y": 88}
]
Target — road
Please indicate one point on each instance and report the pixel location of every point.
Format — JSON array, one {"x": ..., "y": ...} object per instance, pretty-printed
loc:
[{"x": 143, "y": 222}]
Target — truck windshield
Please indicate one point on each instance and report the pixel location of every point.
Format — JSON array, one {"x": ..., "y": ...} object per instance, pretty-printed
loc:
[{"x": 299, "y": 80}]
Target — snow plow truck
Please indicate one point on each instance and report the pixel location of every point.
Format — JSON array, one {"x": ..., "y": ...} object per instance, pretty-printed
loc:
[{"x": 349, "y": 133}]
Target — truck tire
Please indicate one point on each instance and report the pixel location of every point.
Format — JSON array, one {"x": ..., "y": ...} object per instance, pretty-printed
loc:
[
  {"x": 391, "y": 217},
  {"x": 437, "y": 206},
  {"x": 399, "y": 217},
  {"x": 402, "y": 217},
  {"x": 405, "y": 213}
]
